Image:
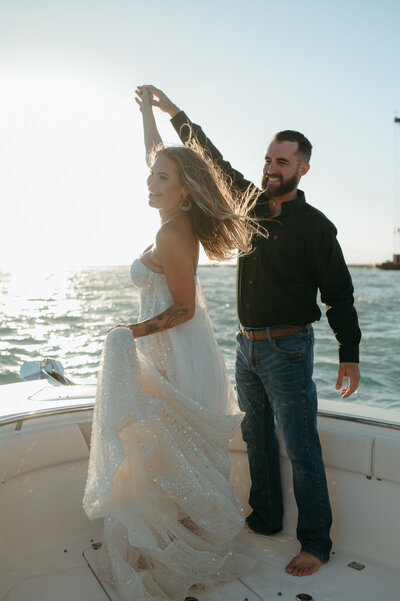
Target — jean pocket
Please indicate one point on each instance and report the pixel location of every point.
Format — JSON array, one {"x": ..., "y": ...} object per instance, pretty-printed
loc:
[{"x": 290, "y": 345}]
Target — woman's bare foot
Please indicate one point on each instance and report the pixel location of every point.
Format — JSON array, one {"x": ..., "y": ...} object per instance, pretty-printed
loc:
[{"x": 304, "y": 564}]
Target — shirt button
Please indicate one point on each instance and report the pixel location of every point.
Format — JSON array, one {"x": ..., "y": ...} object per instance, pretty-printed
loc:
[
  {"x": 254, "y": 258},
  {"x": 251, "y": 281},
  {"x": 247, "y": 306}
]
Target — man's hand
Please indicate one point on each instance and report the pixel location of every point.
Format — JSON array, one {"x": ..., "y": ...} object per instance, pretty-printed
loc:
[
  {"x": 159, "y": 99},
  {"x": 352, "y": 372}
]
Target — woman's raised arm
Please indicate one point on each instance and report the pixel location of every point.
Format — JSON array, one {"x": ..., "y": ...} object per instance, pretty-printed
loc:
[{"x": 152, "y": 138}]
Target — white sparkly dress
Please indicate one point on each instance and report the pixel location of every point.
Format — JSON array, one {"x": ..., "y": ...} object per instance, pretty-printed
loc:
[{"x": 159, "y": 460}]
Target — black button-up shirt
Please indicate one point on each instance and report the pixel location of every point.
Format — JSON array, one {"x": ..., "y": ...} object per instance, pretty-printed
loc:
[{"x": 277, "y": 283}]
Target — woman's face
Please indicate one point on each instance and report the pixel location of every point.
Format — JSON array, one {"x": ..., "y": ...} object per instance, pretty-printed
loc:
[{"x": 166, "y": 189}]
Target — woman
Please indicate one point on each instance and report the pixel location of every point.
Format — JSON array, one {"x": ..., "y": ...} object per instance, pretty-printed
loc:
[{"x": 165, "y": 410}]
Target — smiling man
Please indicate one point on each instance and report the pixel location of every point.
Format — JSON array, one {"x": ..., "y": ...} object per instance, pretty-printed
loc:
[
  {"x": 286, "y": 161},
  {"x": 277, "y": 287}
]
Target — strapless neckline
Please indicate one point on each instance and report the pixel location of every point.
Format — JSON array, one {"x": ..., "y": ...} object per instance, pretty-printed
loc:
[
  {"x": 152, "y": 270},
  {"x": 148, "y": 268}
]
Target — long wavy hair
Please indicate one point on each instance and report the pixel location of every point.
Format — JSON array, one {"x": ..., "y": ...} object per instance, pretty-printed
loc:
[{"x": 219, "y": 212}]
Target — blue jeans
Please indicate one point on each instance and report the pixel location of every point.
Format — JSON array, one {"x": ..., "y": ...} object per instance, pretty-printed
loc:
[{"x": 274, "y": 380}]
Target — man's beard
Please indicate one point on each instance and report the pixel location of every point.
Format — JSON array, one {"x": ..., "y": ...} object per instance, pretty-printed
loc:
[{"x": 272, "y": 190}]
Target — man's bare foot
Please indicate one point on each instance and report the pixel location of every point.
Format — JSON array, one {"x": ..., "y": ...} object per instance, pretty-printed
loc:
[{"x": 304, "y": 564}]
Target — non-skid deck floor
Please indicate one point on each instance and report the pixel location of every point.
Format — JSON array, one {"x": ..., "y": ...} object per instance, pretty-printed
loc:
[{"x": 334, "y": 582}]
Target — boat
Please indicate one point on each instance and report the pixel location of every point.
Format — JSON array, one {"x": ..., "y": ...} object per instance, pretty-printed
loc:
[
  {"x": 391, "y": 265},
  {"x": 48, "y": 546}
]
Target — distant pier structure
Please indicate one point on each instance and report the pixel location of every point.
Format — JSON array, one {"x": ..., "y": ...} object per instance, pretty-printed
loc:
[{"x": 395, "y": 263}]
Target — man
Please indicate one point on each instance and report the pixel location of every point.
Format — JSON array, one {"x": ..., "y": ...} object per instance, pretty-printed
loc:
[{"x": 277, "y": 286}]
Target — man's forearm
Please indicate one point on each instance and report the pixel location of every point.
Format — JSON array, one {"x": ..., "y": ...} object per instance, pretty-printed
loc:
[
  {"x": 344, "y": 323},
  {"x": 173, "y": 110},
  {"x": 187, "y": 130}
]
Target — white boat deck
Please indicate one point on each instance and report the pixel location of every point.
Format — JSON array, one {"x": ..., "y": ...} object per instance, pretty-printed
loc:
[
  {"x": 69, "y": 574},
  {"x": 46, "y": 539}
]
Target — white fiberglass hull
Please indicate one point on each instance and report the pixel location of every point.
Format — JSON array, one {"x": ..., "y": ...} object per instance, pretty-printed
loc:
[{"x": 48, "y": 546}]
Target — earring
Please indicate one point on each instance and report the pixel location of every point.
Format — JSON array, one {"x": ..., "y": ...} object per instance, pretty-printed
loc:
[{"x": 187, "y": 206}]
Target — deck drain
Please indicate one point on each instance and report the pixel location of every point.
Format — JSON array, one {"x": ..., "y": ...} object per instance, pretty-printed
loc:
[
  {"x": 304, "y": 597},
  {"x": 356, "y": 566}
]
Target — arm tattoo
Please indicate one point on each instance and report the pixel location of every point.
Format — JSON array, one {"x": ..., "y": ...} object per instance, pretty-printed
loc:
[
  {"x": 174, "y": 315},
  {"x": 169, "y": 317}
]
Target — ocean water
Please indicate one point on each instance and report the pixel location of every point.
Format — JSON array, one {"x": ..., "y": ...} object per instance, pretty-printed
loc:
[{"x": 66, "y": 314}]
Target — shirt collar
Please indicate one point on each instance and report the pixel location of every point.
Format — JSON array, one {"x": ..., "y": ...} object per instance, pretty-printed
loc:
[{"x": 290, "y": 206}]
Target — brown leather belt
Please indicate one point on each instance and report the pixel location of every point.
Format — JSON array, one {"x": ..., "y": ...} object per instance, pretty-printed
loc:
[{"x": 273, "y": 332}]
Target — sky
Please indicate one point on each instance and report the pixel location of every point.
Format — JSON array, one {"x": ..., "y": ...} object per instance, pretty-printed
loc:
[{"x": 73, "y": 175}]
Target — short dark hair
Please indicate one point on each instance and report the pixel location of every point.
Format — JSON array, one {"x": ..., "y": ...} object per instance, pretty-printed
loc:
[{"x": 289, "y": 135}]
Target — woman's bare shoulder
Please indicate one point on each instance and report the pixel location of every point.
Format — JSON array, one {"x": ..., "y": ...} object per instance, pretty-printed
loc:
[
  {"x": 176, "y": 239},
  {"x": 179, "y": 232}
]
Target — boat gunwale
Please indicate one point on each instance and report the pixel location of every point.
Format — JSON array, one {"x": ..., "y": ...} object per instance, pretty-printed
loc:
[{"x": 53, "y": 411}]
